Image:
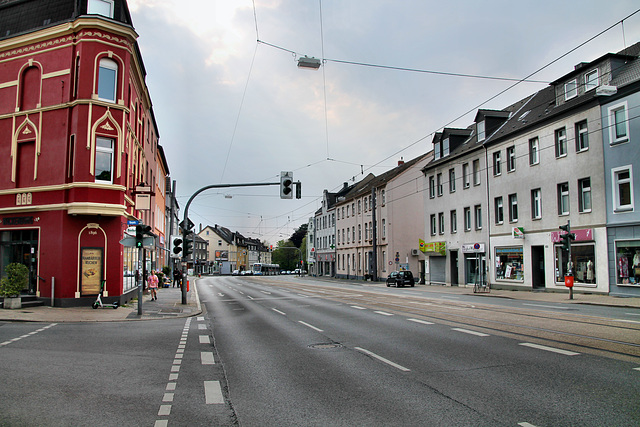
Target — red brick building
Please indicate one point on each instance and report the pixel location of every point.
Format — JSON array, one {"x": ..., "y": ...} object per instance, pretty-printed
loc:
[{"x": 77, "y": 135}]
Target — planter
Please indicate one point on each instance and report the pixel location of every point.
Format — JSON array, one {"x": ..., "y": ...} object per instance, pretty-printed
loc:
[{"x": 12, "y": 303}]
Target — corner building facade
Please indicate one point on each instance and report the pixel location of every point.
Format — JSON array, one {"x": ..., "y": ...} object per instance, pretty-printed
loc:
[{"x": 77, "y": 135}]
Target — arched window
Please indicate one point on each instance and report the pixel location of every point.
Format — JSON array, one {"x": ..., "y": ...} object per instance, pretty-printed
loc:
[
  {"x": 107, "y": 80},
  {"x": 30, "y": 89}
]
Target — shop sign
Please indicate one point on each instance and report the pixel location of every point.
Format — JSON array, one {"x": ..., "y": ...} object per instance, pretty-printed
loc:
[
  {"x": 582, "y": 235},
  {"x": 518, "y": 232},
  {"x": 19, "y": 220},
  {"x": 433, "y": 248},
  {"x": 90, "y": 270},
  {"x": 473, "y": 248}
]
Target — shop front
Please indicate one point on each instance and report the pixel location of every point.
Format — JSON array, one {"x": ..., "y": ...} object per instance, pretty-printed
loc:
[
  {"x": 475, "y": 264},
  {"x": 583, "y": 261},
  {"x": 624, "y": 262}
]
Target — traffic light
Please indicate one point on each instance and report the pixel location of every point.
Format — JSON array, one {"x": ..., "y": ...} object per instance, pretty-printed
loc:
[
  {"x": 298, "y": 190},
  {"x": 177, "y": 245},
  {"x": 286, "y": 182},
  {"x": 187, "y": 246},
  {"x": 567, "y": 237},
  {"x": 139, "y": 236}
]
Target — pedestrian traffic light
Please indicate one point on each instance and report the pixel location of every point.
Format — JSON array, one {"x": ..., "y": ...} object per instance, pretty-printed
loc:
[
  {"x": 177, "y": 245},
  {"x": 139, "y": 236},
  {"x": 286, "y": 181},
  {"x": 567, "y": 237}
]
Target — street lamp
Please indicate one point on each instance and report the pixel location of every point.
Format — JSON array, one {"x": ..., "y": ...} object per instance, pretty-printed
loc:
[{"x": 308, "y": 63}]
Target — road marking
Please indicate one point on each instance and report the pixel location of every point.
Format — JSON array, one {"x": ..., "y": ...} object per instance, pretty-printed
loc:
[
  {"x": 220, "y": 294},
  {"x": 200, "y": 318},
  {"x": 310, "y": 326},
  {"x": 525, "y": 424},
  {"x": 357, "y": 307},
  {"x": 627, "y": 321},
  {"x": 168, "y": 397},
  {"x": 213, "y": 392},
  {"x": 206, "y": 358},
  {"x": 384, "y": 313},
  {"x": 161, "y": 423},
  {"x": 637, "y": 369},
  {"x": 548, "y": 306},
  {"x": 164, "y": 410},
  {"x": 382, "y": 359},
  {"x": 278, "y": 311},
  {"x": 171, "y": 387},
  {"x": 552, "y": 349},
  {"x": 249, "y": 296},
  {"x": 265, "y": 292},
  {"x": 633, "y": 314},
  {"x": 27, "y": 335},
  {"x": 204, "y": 339},
  {"x": 467, "y": 331},
  {"x": 424, "y": 322},
  {"x": 201, "y": 326}
]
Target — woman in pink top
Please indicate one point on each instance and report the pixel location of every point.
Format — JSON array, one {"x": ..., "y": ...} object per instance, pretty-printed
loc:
[{"x": 153, "y": 285}]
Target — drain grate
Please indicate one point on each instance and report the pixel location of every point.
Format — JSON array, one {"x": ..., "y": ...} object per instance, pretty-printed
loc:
[{"x": 326, "y": 345}]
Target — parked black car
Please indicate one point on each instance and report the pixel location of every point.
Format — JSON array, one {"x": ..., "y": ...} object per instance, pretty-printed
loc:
[{"x": 401, "y": 278}]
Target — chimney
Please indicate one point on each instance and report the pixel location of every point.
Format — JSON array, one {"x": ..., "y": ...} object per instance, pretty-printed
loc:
[{"x": 401, "y": 161}]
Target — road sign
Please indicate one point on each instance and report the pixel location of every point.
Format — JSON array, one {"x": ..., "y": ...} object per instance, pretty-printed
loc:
[{"x": 133, "y": 222}]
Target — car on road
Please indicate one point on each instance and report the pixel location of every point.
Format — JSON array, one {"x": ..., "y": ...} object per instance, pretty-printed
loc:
[{"x": 401, "y": 278}]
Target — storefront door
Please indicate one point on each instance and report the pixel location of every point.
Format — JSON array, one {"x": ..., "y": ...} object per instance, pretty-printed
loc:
[
  {"x": 537, "y": 267},
  {"x": 21, "y": 246},
  {"x": 475, "y": 269}
]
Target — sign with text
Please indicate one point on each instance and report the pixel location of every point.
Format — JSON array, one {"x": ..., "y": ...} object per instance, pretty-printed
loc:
[{"x": 91, "y": 260}]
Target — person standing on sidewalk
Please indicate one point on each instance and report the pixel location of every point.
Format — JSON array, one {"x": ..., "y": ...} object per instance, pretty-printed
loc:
[
  {"x": 153, "y": 285},
  {"x": 177, "y": 275}
]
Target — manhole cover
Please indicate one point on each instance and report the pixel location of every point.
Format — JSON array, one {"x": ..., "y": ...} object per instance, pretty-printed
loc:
[{"x": 324, "y": 346}]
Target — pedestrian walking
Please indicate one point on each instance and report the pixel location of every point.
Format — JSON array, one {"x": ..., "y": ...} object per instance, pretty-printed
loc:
[{"x": 152, "y": 281}]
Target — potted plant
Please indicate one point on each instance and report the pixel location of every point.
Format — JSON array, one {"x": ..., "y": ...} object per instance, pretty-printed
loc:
[{"x": 11, "y": 285}]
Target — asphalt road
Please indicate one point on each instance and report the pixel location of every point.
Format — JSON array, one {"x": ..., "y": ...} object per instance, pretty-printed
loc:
[{"x": 302, "y": 353}]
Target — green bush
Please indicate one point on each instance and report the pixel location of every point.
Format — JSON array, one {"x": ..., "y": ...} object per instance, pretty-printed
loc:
[{"x": 16, "y": 280}]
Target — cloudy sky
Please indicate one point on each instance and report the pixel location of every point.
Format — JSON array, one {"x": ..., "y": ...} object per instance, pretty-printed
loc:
[{"x": 232, "y": 106}]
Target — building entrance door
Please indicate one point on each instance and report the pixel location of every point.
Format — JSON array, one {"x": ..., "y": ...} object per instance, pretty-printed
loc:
[
  {"x": 21, "y": 246},
  {"x": 537, "y": 267},
  {"x": 454, "y": 267}
]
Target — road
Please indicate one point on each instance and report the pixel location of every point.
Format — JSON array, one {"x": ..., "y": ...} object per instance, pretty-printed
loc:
[
  {"x": 298, "y": 351},
  {"x": 284, "y": 351}
]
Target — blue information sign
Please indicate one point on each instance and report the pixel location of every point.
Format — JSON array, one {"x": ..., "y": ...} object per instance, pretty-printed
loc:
[{"x": 133, "y": 222}]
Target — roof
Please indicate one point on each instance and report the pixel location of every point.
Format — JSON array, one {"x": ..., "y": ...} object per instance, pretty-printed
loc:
[{"x": 24, "y": 16}]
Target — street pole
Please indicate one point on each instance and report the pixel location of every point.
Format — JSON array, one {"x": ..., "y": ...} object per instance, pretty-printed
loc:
[
  {"x": 140, "y": 279},
  {"x": 374, "y": 278}
]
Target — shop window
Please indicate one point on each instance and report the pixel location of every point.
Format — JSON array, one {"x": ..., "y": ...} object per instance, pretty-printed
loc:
[
  {"x": 582, "y": 263},
  {"x": 628, "y": 262},
  {"x": 510, "y": 263}
]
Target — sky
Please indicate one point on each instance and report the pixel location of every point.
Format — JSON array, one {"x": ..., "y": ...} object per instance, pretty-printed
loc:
[{"x": 232, "y": 107}]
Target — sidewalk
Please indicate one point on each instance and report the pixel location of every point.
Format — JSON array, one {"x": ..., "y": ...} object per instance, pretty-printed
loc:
[{"x": 168, "y": 305}]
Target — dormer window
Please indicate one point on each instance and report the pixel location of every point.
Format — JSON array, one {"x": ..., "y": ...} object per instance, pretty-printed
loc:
[
  {"x": 100, "y": 7},
  {"x": 591, "y": 80},
  {"x": 445, "y": 147},
  {"x": 436, "y": 150},
  {"x": 570, "y": 89},
  {"x": 480, "y": 131}
]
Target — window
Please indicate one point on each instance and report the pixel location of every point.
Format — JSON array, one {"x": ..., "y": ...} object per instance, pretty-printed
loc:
[
  {"x": 452, "y": 180},
  {"x": 384, "y": 228},
  {"x": 453, "y": 218},
  {"x": 433, "y": 224},
  {"x": 618, "y": 124},
  {"x": 359, "y": 207},
  {"x": 465, "y": 175},
  {"x": 499, "y": 210},
  {"x": 432, "y": 187},
  {"x": 583, "y": 260},
  {"x": 513, "y": 207},
  {"x": 467, "y": 219},
  {"x": 509, "y": 263},
  {"x": 570, "y": 89},
  {"x": 511, "y": 158},
  {"x": 439, "y": 182},
  {"x": 534, "y": 151},
  {"x": 536, "y": 203},
  {"x": 441, "y": 222},
  {"x": 359, "y": 232},
  {"x": 353, "y": 233},
  {"x": 622, "y": 189},
  {"x": 584, "y": 196},
  {"x": 100, "y": 7},
  {"x": 561, "y": 142},
  {"x": 445, "y": 147},
  {"x": 107, "y": 80},
  {"x": 383, "y": 197},
  {"x": 104, "y": 160},
  {"x": 563, "y": 198},
  {"x": 476, "y": 172},
  {"x": 591, "y": 80},
  {"x": 582, "y": 136},
  {"x": 481, "y": 131},
  {"x": 478, "y": 216},
  {"x": 436, "y": 150},
  {"x": 497, "y": 168}
]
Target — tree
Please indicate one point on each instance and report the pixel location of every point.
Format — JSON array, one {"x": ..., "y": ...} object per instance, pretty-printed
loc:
[
  {"x": 299, "y": 234},
  {"x": 286, "y": 255}
]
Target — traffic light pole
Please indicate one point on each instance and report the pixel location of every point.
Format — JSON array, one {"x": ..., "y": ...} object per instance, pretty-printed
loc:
[{"x": 186, "y": 217}]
